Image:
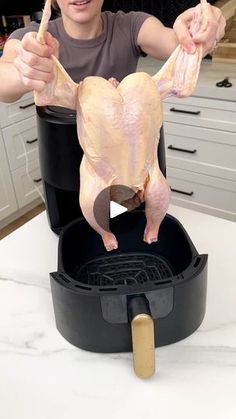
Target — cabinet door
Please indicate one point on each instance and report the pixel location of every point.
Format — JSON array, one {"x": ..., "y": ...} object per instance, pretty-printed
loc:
[
  {"x": 208, "y": 194},
  {"x": 28, "y": 183},
  {"x": 7, "y": 195},
  {"x": 10, "y": 113},
  {"x": 21, "y": 142},
  {"x": 201, "y": 112},
  {"x": 202, "y": 150}
]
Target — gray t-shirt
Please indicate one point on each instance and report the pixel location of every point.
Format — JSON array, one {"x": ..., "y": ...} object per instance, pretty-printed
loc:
[{"x": 114, "y": 53}]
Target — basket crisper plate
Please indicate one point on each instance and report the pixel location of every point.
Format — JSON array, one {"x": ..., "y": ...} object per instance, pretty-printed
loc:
[{"x": 120, "y": 270}]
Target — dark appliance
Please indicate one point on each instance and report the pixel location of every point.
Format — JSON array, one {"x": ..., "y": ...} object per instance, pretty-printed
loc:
[{"x": 135, "y": 298}]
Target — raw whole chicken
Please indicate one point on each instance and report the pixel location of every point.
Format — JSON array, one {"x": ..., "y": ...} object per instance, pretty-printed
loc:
[{"x": 120, "y": 138}]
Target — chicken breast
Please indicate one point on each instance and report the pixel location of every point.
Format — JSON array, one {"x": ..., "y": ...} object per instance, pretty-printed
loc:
[{"x": 120, "y": 144}]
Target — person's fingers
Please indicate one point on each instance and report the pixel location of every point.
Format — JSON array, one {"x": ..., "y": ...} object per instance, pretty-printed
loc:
[
  {"x": 34, "y": 61},
  {"x": 209, "y": 30},
  {"x": 30, "y": 44},
  {"x": 32, "y": 78},
  {"x": 36, "y": 85},
  {"x": 208, "y": 37},
  {"x": 214, "y": 31},
  {"x": 181, "y": 28},
  {"x": 53, "y": 43},
  {"x": 30, "y": 72}
]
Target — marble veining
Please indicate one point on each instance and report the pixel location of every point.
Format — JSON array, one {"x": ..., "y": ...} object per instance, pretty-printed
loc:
[{"x": 31, "y": 284}]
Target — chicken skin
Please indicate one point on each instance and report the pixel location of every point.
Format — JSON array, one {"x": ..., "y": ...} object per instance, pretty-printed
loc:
[{"x": 118, "y": 127}]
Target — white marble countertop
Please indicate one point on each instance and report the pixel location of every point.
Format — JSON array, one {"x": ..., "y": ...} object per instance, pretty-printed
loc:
[
  {"x": 210, "y": 74},
  {"x": 42, "y": 376}
]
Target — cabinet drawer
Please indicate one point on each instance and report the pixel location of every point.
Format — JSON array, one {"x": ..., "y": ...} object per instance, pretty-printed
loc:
[
  {"x": 28, "y": 184},
  {"x": 201, "y": 149},
  {"x": 207, "y": 192},
  {"x": 20, "y": 138},
  {"x": 17, "y": 111},
  {"x": 201, "y": 112}
]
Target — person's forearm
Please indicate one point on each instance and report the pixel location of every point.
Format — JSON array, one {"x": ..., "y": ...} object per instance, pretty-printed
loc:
[
  {"x": 164, "y": 45},
  {"x": 156, "y": 40},
  {"x": 11, "y": 88},
  {"x": 168, "y": 42}
]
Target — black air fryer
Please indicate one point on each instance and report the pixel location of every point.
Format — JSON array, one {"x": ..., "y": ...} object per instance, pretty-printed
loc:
[
  {"x": 60, "y": 155},
  {"x": 135, "y": 298}
]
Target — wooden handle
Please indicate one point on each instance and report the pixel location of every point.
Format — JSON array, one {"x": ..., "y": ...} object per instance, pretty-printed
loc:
[{"x": 143, "y": 345}]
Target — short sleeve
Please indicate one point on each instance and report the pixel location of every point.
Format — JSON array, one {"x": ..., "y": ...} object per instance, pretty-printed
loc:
[
  {"x": 19, "y": 33},
  {"x": 136, "y": 21}
]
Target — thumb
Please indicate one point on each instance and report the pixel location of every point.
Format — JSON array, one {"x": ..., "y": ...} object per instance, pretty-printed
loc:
[
  {"x": 181, "y": 28},
  {"x": 52, "y": 43},
  {"x": 185, "y": 39}
]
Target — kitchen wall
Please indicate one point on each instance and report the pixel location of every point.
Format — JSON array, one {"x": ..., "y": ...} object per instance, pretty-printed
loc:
[
  {"x": 165, "y": 10},
  {"x": 22, "y": 7}
]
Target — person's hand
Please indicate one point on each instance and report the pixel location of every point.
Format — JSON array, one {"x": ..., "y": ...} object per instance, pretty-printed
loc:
[
  {"x": 208, "y": 38},
  {"x": 33, "y": 60}
]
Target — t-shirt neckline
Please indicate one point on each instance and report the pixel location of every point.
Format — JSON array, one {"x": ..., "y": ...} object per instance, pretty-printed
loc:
[{"x": 86, "y": 43}]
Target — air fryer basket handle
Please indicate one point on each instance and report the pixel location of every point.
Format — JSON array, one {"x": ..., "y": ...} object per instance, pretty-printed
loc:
[{"x": 142, "y": 329}]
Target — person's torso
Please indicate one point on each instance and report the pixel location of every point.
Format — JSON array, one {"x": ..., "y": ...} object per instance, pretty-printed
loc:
[{"x": 114, "y": 53}]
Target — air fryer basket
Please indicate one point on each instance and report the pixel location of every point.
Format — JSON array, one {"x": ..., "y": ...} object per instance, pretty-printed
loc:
[{"x": 96, "y": 294}]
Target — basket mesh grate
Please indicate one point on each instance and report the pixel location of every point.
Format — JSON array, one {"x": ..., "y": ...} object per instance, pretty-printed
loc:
[{"x": 124, "y": 269}]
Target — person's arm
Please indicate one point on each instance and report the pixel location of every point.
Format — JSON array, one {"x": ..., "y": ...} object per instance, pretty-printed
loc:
[
  {"x": 11, "y": 87},
  {"x": 156, "y": 40},
  {"x": 159, "y": 41},
  {"x": 25, "y": 66}
]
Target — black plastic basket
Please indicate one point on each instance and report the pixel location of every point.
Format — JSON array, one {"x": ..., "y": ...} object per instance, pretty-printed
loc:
[{"x": 97, "y": 294}]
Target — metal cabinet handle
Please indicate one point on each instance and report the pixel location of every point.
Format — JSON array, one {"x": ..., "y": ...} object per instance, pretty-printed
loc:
[
  {"x": 185, "y": 150},
  {"x": 181, "y": 192},
  {"x": 184, "y": 111},
  {"x": 37, "y": 180},
  {"x": 32, "y": 141},
  {"x": 27, "y": 106}
]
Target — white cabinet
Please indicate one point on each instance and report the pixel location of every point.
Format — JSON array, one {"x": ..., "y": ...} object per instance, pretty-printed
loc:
[
  {"x": 20, "y": 183},
  {"x": 201, "y": 112},
  {"x": 17, "y": 111},
  {"x": 204, "y": 193},
  {"x": 21, "y": 142},
  {"x": 200, "y": 140},
  {"x": 209, "y": 151},
  {"x": 27, "y": 183},
  {"x": 8, "y": 202}
]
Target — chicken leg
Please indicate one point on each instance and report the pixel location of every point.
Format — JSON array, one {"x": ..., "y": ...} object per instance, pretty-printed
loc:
[
  {"x": 92, "y": 206},
  {"x": 157, "y": 198}
]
